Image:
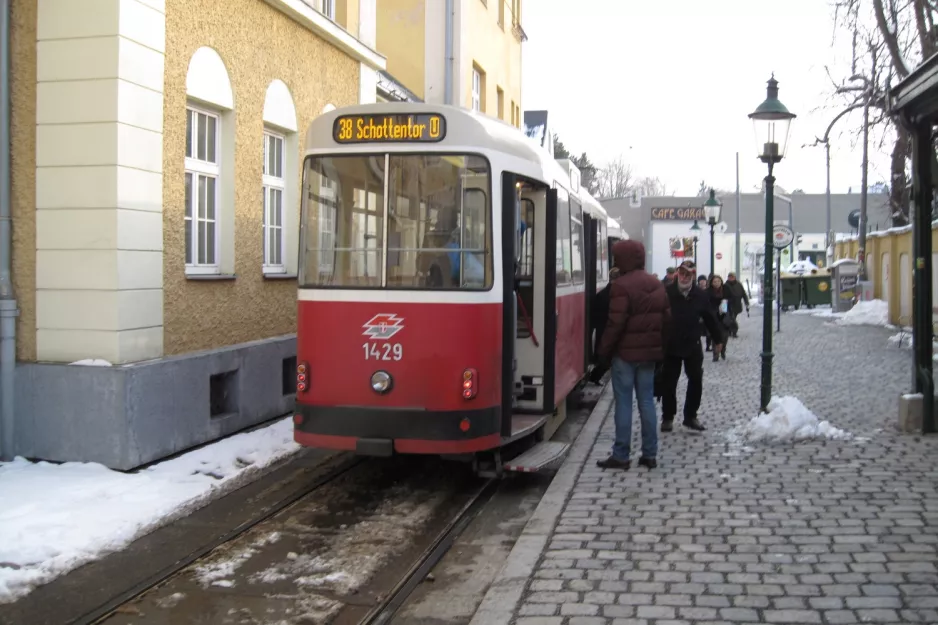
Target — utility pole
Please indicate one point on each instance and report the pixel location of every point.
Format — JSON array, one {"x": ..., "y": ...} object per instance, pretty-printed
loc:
[{"x": 861, "y": 244}]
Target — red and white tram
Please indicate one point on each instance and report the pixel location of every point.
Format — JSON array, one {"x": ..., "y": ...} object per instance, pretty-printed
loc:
[{"x": 444, "y": 266}]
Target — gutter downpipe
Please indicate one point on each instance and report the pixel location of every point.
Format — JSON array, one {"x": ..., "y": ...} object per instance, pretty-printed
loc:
[
  {"x": 8, "y": 310},
  {"x": 448, "y": 65}
]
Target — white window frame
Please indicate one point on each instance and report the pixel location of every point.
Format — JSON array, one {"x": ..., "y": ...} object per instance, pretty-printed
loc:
[
  {"x": 203, "y": 169},
  {"x": 327, "y": 8},
  {"x": 271, "y": 183},
  {"x": 476, "y": 90}
]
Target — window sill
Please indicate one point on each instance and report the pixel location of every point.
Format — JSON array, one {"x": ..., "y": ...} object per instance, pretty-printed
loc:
[
  {"x": 279, "y": 276},
  {"x": 210, "y": 277}
]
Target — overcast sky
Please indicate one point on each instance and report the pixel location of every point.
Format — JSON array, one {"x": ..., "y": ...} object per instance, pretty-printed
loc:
[{"x": 669, "y": 84}]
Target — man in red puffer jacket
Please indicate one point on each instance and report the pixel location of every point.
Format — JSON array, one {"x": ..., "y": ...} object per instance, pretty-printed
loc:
[{"x": 634, "y": 340}]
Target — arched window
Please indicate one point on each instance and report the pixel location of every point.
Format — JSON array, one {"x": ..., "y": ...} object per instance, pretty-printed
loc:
[
  {"x": 209, "y": 166},
  {"x": 280, "y": 181}
]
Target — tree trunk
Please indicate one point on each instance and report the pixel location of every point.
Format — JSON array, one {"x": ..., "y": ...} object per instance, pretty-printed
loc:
[{"x": 898, "y": 186}]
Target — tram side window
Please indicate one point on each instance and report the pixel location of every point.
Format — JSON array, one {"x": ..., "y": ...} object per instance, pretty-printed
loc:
[
  {"x": 439, "y": 234},
  {"x": 564, "y": 261},
  {"x": 342, "y": 222},
  {"x": 576, "y": 239}
]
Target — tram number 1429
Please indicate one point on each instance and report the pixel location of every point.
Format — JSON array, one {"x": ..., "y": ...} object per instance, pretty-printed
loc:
[{"x": 385, "y": 351}]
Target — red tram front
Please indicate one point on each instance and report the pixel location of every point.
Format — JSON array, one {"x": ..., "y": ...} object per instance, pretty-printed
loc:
[{"x": 423, "y": 287}]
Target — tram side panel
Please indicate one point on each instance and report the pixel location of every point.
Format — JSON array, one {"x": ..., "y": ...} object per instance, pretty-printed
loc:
[
  {"x": 570, "y": 301},
  {"x": 425, "y": 348}
]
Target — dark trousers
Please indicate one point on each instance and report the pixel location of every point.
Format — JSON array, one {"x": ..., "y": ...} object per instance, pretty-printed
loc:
[{"x": 671, "y": 373}]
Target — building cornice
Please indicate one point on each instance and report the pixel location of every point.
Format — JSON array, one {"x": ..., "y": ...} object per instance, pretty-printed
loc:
[{"x": 325, "y": 28}]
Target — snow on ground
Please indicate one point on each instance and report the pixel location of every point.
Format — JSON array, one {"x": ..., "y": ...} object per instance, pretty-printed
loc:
[
  {"x": 56, "y": 517},
  {"x": 92, "y": 362},
  {"x": 788, "y": 420},
  {"x": 872, "y": 313}
]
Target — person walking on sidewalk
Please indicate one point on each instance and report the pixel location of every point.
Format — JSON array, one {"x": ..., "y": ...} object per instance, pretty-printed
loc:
[
  {"x": 737, "y": 296},
  {"x": 689, "y": 306},
  {"x": 702, "y": 285},
  {"x": 719, "y": 302},
  {"x": 633, "y": 342}
]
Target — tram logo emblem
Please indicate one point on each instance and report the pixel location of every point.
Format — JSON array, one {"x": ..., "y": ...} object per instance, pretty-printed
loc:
[{"x": 383, "y": 326}]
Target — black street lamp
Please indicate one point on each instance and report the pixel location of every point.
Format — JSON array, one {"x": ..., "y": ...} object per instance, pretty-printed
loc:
[
  {"x": 712, "y": 209},
  {"x": 771, "y": 122}
]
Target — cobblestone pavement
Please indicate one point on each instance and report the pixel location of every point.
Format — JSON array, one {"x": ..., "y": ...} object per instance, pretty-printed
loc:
[{"x": 827, "y": 532}]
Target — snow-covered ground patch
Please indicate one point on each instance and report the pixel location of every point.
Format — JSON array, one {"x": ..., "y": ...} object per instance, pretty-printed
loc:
[
  {"x": 871, "y": 313},
  {"x": 57, "y": 517},
  {"x": 788, "y": 420},
  {"x": 92, "y": 362},
  {"x": 902, "y": 340}
]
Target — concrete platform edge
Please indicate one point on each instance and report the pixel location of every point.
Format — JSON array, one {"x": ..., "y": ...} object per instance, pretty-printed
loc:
[{"x": 504, "y": 595}]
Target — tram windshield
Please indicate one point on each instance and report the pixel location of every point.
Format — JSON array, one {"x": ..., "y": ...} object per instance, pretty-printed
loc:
[{"x": 438, "y": 230}]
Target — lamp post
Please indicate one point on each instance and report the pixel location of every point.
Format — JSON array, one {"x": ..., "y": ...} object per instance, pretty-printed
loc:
[
  {"x": 712, "y": 212},
  {"x": 771, "y": 122},
  {"x": 696, "y": 230}
]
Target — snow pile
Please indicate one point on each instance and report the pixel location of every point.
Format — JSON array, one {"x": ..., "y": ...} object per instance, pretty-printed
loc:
[
  {"x": 788, "y": 420},
  {"x": 902, "y": 340},
  {"x": 872, "y": 313},
  {"x": 57, "y": 517},
  {"x": 92, "y": 362}
]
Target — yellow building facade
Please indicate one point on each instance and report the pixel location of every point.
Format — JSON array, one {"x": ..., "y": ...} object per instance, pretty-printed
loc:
[
  {"x": 461, "y": 52},
  {"x": 155, "y": 166}
]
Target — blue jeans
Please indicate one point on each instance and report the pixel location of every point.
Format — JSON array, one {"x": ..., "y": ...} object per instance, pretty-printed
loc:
[{"x": 639, "y": 376}]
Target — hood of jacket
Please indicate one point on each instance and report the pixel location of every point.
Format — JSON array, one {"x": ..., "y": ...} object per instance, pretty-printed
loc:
[{"x": 629, "y": 255}]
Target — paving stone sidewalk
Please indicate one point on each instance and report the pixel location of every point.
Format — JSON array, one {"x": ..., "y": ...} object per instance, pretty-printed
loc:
[{"x": 723, "y": 532}]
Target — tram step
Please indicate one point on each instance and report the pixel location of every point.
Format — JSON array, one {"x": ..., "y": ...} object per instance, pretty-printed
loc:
[{"x": 538, "y": 457}]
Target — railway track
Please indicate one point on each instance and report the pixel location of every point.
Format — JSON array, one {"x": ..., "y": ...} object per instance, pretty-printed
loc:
[
  {"x": 392, "y": 602},
  {"x": 109, "y": 608}
]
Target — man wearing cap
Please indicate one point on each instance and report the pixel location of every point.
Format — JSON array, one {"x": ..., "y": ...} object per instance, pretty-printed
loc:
[
  {"x": 668, "y": 276},
  {"x": 689, "y": 306}
]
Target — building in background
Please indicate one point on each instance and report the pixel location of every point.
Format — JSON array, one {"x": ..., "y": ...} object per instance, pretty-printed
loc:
[
  {"x": 658, "y": 220},
  {"x": 156, "y": 158},
  {"x": 461, "y": 52}
]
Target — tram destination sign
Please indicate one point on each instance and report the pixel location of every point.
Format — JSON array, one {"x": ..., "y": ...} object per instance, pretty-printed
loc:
[
  {"x": 389, "y": 128},
  {"x": 688, "y": 213}
]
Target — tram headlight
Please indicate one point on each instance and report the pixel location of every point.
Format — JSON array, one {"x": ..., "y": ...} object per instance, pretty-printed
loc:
[{"x": 381, "y": 381}]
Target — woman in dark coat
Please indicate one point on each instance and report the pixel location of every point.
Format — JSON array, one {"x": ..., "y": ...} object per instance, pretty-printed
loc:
[{"x": 720, "y": 301}]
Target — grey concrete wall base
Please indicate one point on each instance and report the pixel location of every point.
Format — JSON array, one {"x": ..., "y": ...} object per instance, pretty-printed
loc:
[
  {"x": 504, "y": 595},
  {"x": 910, "y": 413},
  {"x": 129, "y": 415}
]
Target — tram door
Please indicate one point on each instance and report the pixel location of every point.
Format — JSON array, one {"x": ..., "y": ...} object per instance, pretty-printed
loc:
[{"x": 535, "y": 292}]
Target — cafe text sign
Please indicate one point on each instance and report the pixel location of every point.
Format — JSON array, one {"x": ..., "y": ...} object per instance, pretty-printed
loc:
[{"x": 688, "y": 213}]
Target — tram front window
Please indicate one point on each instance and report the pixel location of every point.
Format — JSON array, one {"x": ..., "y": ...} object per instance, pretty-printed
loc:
[{"x": 438, "y": 231}]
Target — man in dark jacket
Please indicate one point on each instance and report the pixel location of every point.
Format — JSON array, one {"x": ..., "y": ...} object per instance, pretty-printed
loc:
[
  {"x": 736, "y": 293},
  {"x": 689, "y": 306},
  {"x": 634, "y": 341}
]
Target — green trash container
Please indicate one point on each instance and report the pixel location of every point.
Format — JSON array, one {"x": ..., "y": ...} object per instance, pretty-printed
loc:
[
  {"x": 791, "y": 293},
  {"x": 817, "y": 290}
]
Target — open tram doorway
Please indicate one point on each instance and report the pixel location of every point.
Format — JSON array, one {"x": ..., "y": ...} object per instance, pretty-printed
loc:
[{"x": 533, "y": 296}]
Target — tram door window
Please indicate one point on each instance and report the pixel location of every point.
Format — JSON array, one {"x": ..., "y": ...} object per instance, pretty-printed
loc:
[
  {"x": 524, "y": 277},
  {"x": 602, "y": 250}
]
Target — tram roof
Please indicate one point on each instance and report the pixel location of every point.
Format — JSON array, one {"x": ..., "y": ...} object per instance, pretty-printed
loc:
[{"x": 463, "y": 128}]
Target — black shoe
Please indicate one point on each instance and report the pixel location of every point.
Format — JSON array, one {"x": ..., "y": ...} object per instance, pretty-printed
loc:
[
  {"x": 651, "y": 463},
  {"x": 613, "y": 463},
  {"x": 723, "y": 354},
  {"x": 667, "y": 425},
  {"x": 694, "y": 424},
  {"x": 716, "y": 357}
]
